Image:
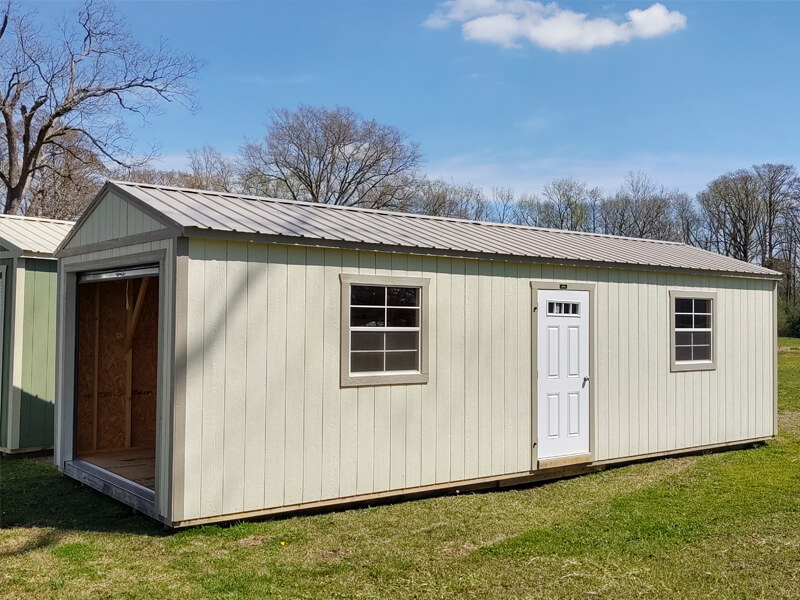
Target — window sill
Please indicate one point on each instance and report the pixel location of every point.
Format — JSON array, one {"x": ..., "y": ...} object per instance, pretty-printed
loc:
[
  {"x": 680, "y": 367},
  {"x": 388, "y": 379}
]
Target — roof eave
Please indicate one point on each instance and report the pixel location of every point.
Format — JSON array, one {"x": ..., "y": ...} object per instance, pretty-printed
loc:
[{"x": 426, "y": 251}]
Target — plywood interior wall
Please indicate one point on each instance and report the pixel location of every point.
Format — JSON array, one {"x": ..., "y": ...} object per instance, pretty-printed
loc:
[{"x": 117, "y": 365}]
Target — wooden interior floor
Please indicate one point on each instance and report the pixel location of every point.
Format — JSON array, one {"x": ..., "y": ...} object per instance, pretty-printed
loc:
[{"x": 137, "y": 465}]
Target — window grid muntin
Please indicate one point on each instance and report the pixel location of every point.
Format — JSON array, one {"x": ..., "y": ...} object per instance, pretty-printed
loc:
[
  {"x": 704, "y": 352},
  {"x": 386, "y": 329},
  {"x": 561, "y": 308}
]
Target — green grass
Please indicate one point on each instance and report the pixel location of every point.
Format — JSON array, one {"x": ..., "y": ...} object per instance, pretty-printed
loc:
[{"x": 721, "y": 525}]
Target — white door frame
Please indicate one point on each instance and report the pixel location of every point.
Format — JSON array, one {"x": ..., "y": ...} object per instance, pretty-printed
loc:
[{"x": 536, "y": 286}]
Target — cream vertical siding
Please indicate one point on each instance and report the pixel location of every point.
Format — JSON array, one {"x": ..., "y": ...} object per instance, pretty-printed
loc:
[
  {"x": 64, "y": 446},
  {"x": 113, "y": 218},
  {"x": 267, "y": 424}
]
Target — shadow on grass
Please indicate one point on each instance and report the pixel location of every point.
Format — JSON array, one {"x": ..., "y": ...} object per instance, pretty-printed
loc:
[
  {"x": 43, "y": 539},
  {"x": 34, "y": 494}
]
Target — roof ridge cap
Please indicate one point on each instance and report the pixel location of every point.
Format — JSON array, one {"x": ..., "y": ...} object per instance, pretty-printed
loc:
[{"x": 38, "y": 219}]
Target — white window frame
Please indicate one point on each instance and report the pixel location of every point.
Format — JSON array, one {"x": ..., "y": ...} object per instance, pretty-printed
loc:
[
  {"x": 692, "y": 365},
  {"x": 349, "y": 379}
]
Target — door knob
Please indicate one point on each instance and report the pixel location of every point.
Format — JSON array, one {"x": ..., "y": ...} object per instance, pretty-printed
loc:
[{"x": 585, "y": 380}]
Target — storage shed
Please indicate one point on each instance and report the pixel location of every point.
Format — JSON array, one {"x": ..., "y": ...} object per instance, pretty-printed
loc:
[
  {"x": 28, "y": 331},
  {"x": 225, "y": 356}
]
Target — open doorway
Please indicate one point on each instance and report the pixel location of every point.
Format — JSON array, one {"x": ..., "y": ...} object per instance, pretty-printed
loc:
[{"x": 117, "y": 372}]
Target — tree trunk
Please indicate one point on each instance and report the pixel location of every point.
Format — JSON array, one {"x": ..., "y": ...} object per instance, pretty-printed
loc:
[{"x": 13, "y": 198}]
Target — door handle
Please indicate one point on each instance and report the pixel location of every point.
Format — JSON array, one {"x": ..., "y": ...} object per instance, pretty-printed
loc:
[{"x": 585, "y": 381}]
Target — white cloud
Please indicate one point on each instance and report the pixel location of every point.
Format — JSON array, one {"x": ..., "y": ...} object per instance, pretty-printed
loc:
[{"x": 507, "y": 22}]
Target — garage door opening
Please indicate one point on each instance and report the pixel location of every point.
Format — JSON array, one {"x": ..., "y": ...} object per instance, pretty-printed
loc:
[{"x": 117, "y": 372}]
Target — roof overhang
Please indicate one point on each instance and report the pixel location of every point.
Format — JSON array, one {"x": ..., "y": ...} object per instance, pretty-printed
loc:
[{"x": 200, "y": 232}]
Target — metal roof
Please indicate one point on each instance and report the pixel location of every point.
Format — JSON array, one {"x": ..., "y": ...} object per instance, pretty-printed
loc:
[
  {"x": 196, "y": 211},
  {"x": 32, "y": 235}
]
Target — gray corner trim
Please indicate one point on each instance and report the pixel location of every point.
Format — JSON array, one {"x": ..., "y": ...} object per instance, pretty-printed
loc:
[
  {"x": 182, "y": 246},
  {"x": 536, "y": 286},
  {"x": 348, "y": 380},
  {"x": 130, "y": 240},
  {"x": 679, "y": 367},
  {"x": 66, "y": 351},
  {"x": 775, "y": 359},
  {"x": 180, "y": 360}
]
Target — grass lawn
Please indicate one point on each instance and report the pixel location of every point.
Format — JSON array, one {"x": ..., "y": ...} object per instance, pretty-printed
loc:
[{"x": 719, "y": 526}]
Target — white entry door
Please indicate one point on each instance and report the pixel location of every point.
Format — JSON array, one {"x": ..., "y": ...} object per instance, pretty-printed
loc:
[{"x": 563, "y": 379}]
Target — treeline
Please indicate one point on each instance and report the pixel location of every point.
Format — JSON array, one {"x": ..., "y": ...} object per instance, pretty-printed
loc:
[{"x": 336, "y": 156}]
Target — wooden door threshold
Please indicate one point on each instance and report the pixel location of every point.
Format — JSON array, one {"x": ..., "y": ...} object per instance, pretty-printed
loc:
[
  {"x": 564, "y": 461},
  {"x": 123, "y": 490}
]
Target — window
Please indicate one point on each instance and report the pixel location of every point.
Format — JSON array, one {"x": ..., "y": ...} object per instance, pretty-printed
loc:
[
  {"x": 563, "y": 309},
  {"x": 692, "y": 320},
  {"x": 383, "y": 330}
]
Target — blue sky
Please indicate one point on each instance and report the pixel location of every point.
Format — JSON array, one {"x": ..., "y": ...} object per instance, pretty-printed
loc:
[{"x": 499, "y": 92}]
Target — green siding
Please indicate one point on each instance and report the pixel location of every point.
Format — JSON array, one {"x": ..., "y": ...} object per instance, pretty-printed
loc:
[
  {"x": 5, "y": 366},
  {"x": 38, "y": 354}
]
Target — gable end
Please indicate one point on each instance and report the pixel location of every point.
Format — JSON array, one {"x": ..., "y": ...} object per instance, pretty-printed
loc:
[{"x": 112, "y": 220}]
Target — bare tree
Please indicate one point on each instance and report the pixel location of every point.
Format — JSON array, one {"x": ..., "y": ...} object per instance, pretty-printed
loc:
[
  {"x": 68, "y": 184},
  {"x": 74, "y": 90},
  {"x": 594, "y": 204},
  {"x": 686, "y": 221},
  {"x": 733, "y": 213},
  {"x": 212, "y": 170},
  {"x": 502, "y": 205},
  {"x": 565, "y": 205},
  {"x": 640, "y": 209},
  {"x": 779, "y": 190},
  {"x": 147, "y": 174},
  {"x": 333, "y": 156},
  {"x": 526, "y": 210},
  {"x": 440, "y": 198}
]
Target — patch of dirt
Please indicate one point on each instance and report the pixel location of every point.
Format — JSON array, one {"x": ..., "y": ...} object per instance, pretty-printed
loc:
[
  {"x": 256, "y": 541},
  {"x": 330, "y": 554},
  {"x": 788, "y": 421},
  {"x": 456, "y": 549}
]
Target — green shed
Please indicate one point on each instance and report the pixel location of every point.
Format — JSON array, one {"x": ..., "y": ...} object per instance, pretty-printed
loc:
[{"x": 28, "y": 293}]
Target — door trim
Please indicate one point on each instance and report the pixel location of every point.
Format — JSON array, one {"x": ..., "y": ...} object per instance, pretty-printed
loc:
[{"x": 536, "y": 286}]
